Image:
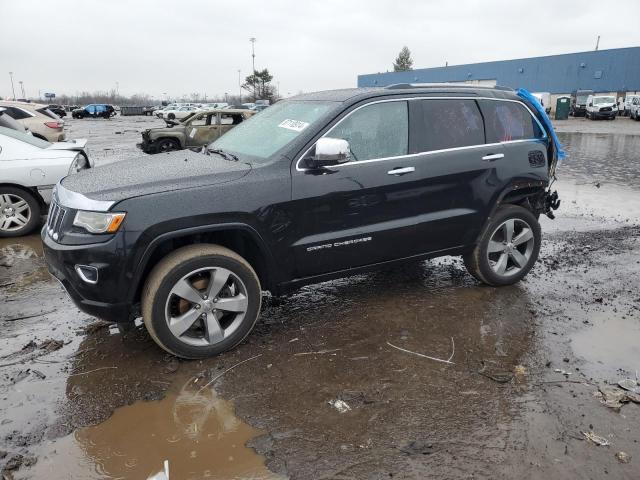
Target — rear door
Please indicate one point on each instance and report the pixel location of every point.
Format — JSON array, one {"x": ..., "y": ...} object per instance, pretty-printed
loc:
[
  {"x": 524, "y": 142},
  {"x": 456, "y": 168}
]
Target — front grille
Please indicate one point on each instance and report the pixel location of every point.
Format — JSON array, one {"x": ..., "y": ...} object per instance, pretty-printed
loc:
[
  {"x": 605, "y": 109},
  {"x": 55, "y": 219}
]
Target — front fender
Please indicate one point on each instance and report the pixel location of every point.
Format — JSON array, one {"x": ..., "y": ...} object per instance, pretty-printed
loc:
[{"x": 140, "y": 266}]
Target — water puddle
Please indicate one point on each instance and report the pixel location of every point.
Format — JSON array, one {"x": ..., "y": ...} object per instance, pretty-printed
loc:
[
  {"x": 195, "y": 431},
  {"x": 610, "y": 344}
]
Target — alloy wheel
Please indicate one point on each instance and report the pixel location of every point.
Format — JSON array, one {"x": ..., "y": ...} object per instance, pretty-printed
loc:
[
  {"x": 206, "y": 306},
  {"x": 15, "y": 212},
  {"x": 510, "y": 247}
]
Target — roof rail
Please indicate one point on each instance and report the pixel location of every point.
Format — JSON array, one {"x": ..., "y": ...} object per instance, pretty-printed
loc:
[{"x": 400, "y": 86}]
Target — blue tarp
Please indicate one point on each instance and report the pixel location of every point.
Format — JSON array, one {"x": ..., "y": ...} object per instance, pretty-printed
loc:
[{"x": 524, "y": 93}]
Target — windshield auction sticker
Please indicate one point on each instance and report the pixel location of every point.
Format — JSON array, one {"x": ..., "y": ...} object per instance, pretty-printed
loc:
[{"x": 295, "y": 125}]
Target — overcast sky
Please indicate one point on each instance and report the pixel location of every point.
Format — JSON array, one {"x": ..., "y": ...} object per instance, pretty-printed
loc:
[{"x": 185, "y": 46}]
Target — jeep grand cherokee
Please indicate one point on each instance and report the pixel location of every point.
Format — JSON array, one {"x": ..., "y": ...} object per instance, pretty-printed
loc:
[{"x": 319, "y": 186}]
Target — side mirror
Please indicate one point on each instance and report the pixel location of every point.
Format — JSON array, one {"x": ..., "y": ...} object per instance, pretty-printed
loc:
[
  {"x": 591, "y": 104},
  {"x": 329, "y": 151}
]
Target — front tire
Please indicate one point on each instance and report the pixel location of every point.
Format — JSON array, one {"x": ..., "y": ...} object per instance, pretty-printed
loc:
[
  {"x": 167, "y": 145},
  {"x": 507, "y": 249},
  {"x": 19, "y": 212},
  {"x": 201, "y": 300}
]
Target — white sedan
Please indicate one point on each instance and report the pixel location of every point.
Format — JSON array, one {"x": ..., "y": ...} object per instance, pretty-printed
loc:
[
  {"x": 29, "y": 168},
  {"x": 179, "y": 112}
]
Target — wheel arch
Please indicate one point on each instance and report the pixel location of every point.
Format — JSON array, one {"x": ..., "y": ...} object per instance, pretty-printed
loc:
[
  {"x": 529, "y": 195},
  {"x": 240, "y": 238},
  {"x": 32, "y": 190}
]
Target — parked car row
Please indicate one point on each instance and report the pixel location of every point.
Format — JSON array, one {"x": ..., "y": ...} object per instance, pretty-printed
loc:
[
  {"x": 593, "y": 106},
  {"x": 182, "y": 110}
]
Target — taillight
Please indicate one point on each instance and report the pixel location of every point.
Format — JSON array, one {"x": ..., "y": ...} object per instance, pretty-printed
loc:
[{"x": 53, "y": 124}]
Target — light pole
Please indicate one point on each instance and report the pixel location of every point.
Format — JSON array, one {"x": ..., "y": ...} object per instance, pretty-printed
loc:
[
  {"x": 253, "y": 66},
  {"x": 226, "y": 97},
  {"x": 253, "y": 53},
  {"x": 239, "y": 88},
  {"x": 12, "y": 89},
  {"x": 22, "y": 88}
]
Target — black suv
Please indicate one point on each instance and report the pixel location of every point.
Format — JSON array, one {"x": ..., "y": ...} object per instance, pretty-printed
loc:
[{"x": 319, "y": 186}]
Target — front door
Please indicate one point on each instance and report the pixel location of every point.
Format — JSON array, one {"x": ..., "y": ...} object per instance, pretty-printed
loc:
[
  {"x": 364, "y": 211},
  {"x": 201, "y": 130}
]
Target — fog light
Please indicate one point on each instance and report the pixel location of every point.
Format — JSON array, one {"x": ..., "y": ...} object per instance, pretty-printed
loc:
[{"x": 87, "y": 273}]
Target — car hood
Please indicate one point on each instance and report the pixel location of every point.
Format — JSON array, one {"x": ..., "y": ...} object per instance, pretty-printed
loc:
[{"x": 154, "y": 174}]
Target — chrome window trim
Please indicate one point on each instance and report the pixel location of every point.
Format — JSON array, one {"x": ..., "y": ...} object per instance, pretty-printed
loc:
[
  {"x": 67, "y": 198},
  {"x": 427, "y": 152}
]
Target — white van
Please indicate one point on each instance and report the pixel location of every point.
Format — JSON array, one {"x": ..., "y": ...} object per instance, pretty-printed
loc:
[
  {"x": 545, "y": 100},
  {"x": 601, "y": 106},
  {"x": 628, "y": 103}
]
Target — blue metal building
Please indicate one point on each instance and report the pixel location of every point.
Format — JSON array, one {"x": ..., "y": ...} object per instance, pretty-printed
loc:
[{"x": 615, "y": 70}]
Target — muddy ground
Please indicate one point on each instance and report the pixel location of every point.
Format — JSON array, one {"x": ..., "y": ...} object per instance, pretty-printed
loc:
[{"x": 78, "y": 399}]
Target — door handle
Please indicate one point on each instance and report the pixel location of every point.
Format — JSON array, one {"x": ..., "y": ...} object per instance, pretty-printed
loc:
[
  {"x": 492, "y": 157},
  {"x": 401, "y": 171}
]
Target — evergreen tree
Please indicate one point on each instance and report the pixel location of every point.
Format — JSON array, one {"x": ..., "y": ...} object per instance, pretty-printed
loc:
[
  {"x": 259, "y": 84},
  {"x": 403, "y": 62}
]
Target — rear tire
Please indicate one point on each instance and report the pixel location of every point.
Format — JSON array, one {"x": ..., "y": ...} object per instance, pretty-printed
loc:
[
  {"x": 19, "y": 212},
  {"x": 508, "y": 248},
  {"x": 201, "y": 300}
]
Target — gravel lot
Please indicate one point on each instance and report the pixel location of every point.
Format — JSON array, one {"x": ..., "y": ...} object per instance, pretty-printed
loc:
[{"x": 532, "y": 363}]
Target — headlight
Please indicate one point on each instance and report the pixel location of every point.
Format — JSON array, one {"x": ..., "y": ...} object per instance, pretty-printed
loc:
[
  {"x": 98, "y": 222},
  {"x": 79, "y": 163}
]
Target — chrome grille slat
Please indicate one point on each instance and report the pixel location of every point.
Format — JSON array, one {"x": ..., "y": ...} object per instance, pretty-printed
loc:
[{"x": 55, "y": 220}]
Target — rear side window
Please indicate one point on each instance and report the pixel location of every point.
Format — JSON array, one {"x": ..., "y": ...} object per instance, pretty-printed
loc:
[
  {"x": 379, "y": 130},
  {"x": 507, "y": 121},
  {"x": 451, "y": 124},
  {"x": 17, "y": 113}
]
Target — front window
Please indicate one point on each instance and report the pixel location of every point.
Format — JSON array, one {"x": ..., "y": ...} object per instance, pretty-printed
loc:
[
  {"x": 603, "y": 100},
  {"x": 270, "y": 131},
  {"x": 380, "y": 130}
]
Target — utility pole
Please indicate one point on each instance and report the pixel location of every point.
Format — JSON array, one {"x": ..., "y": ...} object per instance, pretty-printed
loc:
[
  {"x": 597, "y": 43},
  {"x": 22, "y": 88},
  {"x": 253, "y": 66},
  {"x": 12, "y": 89},
  {"x": 239, "y": 88}
]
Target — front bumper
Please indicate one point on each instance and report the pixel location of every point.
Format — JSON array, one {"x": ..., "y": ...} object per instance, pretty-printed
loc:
[
  {"x": 147, "y": 145},
  {"x": 611, "y": 114},
  {"x": 103, "y": 299}
]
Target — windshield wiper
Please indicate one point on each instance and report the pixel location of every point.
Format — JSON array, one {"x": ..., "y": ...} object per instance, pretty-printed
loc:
[{"x": 223, "y": 154}]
